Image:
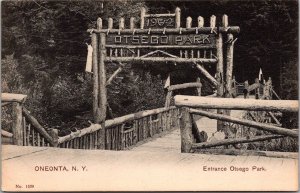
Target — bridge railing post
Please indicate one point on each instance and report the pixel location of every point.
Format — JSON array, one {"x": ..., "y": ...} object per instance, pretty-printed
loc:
[
  {"x": 17, "y": 124},
  {"x": 257, "y": 90},
  {"x": 246, "y": 90},
  {"x": 54, "y": 134},
  {"x": 186, "y": 130}
]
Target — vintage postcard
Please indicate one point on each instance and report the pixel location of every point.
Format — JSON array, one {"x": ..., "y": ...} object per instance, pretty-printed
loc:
[{"x": 132, "y": 95}]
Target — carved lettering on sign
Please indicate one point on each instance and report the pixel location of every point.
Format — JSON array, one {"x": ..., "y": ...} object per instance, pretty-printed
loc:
[
  {"x": 159, "y": 22},
  {"x": 171, "y": 39}
]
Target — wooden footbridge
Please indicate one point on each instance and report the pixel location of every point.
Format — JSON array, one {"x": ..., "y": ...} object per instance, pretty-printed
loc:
[
  {"x": 135, "y": 129},
  {"x": 205, "y": 128},
  {"x": 164, "y": 149}
]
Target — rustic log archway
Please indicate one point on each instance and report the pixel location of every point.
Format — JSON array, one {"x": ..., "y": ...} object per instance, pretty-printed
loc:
[{"x": 161, "y": 38}]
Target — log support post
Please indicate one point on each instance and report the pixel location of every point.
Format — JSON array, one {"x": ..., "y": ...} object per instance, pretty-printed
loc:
[
  {"x": 246, "y": 87},
  {"x": 54, "y": 134},
  {"x": 267, "y": 90},
  {"x": 169, "y": 98},
  {"x": 186, "y": 130},
  {"x": 198, "y": 88},
  {"x": 95, "y": 76},
  {"x": 257, "y": 90},
  {"x": 99, "y": 76},
  {"x": 143, "y": 13},
  {"x": 219, "y": 69},
  {"x": 229, "y": 69},
  {"x": 270, "y": 87},
  {"x": 17, "y": 124},
  {"x": 229, "y": 65},
  {"x": 102, "y": 80},
  {"x": 177, "y": 17},
  {"x": 234, "y": 88},
  {"x": 122, "y": 137}
]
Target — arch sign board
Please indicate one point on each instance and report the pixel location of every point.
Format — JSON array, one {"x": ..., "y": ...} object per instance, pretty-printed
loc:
[
  {"x": 201, "y": 40},
  {"x": 160, "y": 38}
]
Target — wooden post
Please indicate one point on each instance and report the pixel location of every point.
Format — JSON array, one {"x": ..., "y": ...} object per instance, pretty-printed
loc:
[
  {"x": 95, "y": 76},
  {"x": 24, "y": 131},
  {"x": 229, "y": 68},
  {"x": 234, "y": 86},
  {"x": 17, "y": 124},
  {"x": 102, "y": 80},
  {"x": 168, "y": 98},
  {"x": 101, "y": 75},
  {"x": 122, "y": 23},
  {"x": 257, "y": 93},
  {"x": 229, "y": 58},
  {"x": 246, "y": 84},
  {"x": 54, "y": 134},
  {"x": 186, "y": 130},
  {"x": 225, "y": 21},
  {"x": 213, "y": 21},
  {"x": 198, "y": 88},
  {"x": 102, "y": 91},
  {"x": 132, "y": 23},
  {"x": 177, "y": 17},
  {"x": 200, "y": 21},
  {"x": 135, "y": 130},
  {"x": 270, "y": 88},
  {"x": 219, "y": 68},
  {"x": 122, "y": 136},
  {"x": 99, "y": 23},
  {"x": 143, "y": 13},
  {"x": 188, "y": 22},
  {"x": 110, "y": 23},
  {"x": 267, "y": 89}
]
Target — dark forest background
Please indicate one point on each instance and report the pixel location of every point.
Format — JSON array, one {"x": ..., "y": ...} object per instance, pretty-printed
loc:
[{"x": 44, "y": 52}]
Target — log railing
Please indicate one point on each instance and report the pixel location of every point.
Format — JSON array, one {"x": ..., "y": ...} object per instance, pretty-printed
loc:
[
  {"x": 119, "y": 133},
  {"x": 172, "y": 88},
  {"x": 189, "y": 103},
  {"x": 262, "y": 91},
  {"x": 33, "y": 133},
  {"x": 25, "y": 128},
  {"x": 123, "y": 132}
]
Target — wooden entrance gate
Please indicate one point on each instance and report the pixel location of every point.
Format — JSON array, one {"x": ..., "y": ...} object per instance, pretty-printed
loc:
[{"x": 161, "y": 38}]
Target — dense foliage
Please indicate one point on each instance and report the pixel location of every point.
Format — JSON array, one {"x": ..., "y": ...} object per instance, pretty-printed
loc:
[
  {"x": 268, "y": 37},
  {"x": 44, "y": 52}
]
